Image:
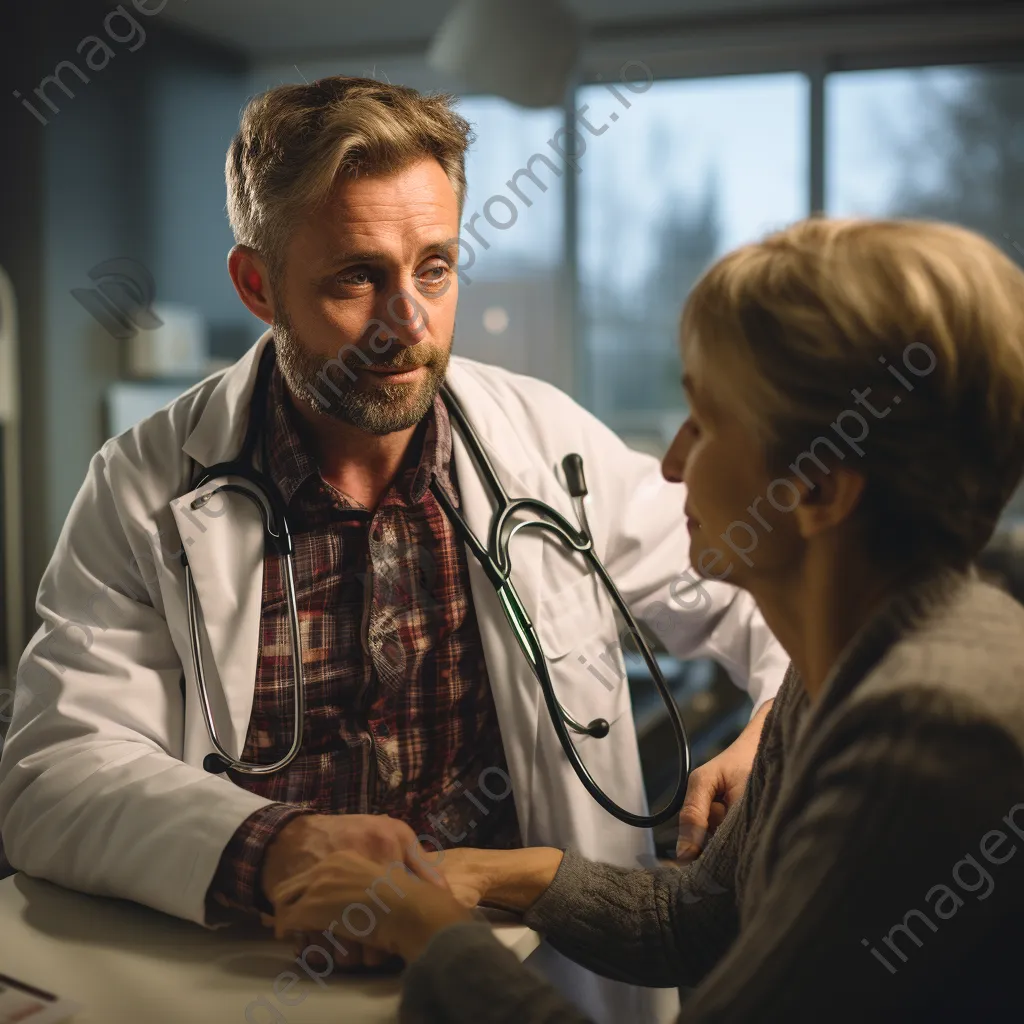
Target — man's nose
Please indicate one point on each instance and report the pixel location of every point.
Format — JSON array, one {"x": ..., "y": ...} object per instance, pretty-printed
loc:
[{"x": 406, "y": 316}]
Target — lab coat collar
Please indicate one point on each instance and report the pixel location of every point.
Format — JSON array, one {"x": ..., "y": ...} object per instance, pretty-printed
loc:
[
  {"x": 226, "y": 555},
  {"x": 217, "y": 436}
]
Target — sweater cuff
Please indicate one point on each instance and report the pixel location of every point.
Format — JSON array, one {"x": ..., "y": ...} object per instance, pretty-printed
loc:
[
  {"x": 452, "y": 942},
  {"x": 558, "y": 902},
  {"x": 461, "y": 951}
]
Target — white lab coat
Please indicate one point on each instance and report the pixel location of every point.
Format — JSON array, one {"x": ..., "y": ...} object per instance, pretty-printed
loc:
[{"x": 101, "y": 781}]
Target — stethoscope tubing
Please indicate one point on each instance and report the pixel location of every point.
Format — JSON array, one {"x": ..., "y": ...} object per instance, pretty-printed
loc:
[
  {"x": 495, "y": 559},
  {"x": 263, "y": 498}
]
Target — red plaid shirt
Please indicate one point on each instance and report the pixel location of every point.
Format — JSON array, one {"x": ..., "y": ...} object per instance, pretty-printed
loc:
[{"x": 399, "y": 714}]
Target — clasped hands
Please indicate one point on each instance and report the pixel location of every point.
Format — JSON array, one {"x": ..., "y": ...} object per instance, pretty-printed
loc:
[
  {"x": 371, "y": 876},
  {"x": 369, "y": 882}
]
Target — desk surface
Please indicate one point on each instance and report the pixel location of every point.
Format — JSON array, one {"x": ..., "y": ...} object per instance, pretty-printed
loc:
[{"x": 128, "y": 964}]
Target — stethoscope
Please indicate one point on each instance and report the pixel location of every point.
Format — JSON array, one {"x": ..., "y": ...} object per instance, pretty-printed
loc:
[{"x": 495, "y": 560}]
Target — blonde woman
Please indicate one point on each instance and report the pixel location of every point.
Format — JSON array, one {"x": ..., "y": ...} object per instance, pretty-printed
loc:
[{"x": 857, "y": 425}]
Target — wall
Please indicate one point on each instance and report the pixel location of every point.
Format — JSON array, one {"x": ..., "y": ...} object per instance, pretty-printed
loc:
[{"x": 130, "y": 165}]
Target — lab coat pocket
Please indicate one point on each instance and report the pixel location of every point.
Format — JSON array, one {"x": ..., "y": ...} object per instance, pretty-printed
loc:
[
  {"x": 570, "y": 617},
  {"x": 577, "y": 632}
]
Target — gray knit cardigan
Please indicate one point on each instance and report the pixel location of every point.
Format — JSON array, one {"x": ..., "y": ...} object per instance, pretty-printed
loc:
[{"x": 873, "y": 870}]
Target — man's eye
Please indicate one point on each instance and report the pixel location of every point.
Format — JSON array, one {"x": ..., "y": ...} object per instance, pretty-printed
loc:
[
  {"x": 435, "y": 274},
  {"x": 356, "y": 277}
]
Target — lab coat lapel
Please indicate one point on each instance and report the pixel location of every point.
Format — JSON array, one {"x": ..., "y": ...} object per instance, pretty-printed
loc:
[
  {"x": 225, "y": 552},
  {"x": 223, "y": 541},
  {"x": 516, "y": 692}
]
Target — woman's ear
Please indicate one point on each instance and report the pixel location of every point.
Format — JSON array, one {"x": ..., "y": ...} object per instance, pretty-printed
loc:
[{"x": 828, "y": 500}]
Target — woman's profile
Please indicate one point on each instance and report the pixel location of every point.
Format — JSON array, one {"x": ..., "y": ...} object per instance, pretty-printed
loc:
[{"x": 856, "y": 427}]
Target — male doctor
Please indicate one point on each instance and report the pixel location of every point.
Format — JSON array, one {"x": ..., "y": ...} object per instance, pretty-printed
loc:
[{"x": 424, "y": 725}]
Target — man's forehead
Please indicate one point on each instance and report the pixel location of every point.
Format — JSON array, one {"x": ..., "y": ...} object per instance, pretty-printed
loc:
[
  {"x": 420, "y": 183},
  {"x": 339, "y": 239},
  {"x": 374, "y": 253},
  {"x": 381, "y": 214}
]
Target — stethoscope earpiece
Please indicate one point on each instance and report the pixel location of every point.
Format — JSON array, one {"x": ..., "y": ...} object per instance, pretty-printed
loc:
[
  {"x": 214, "y": 764},
  {"x": 598, "y": 728}
]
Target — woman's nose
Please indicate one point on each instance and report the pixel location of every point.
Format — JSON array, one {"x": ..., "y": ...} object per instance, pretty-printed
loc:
[{"x": 674, "y": 462}]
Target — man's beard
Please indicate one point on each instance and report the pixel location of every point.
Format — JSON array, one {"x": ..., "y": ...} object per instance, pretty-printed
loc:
[{"x": 328, "y": 389}]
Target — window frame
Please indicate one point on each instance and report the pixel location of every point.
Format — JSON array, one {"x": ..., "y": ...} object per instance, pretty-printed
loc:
[{"x": 815, "y": 45}]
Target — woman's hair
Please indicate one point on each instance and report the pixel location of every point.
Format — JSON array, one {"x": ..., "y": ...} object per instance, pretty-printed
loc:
[
  {"x": 892, "y": 347},
  {"x": 294, "y": 140}
]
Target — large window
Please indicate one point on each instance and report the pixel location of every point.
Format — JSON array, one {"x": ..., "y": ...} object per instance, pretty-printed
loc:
[
  {"x": 943, "y": 142},
  {"x": 689, "y": 171}
]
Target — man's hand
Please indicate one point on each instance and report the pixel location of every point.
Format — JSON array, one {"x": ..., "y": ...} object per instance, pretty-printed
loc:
[
  {"x": 715, "y": 786},
  {"x": 310, "y": 839}
]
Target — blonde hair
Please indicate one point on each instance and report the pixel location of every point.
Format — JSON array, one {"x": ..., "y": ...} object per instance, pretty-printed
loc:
[
  {"x": 924, "y": 321},
  {"x": 294, "y": 140}
]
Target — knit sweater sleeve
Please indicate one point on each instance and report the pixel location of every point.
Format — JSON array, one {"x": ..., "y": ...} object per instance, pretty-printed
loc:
[
  {"x": 660, "y": 928},
  {"x": 641, "y": 927},
  {"x": 669, "y": 926},
  {"x": 854, "y": 920},
  {"x": 654, "y": 928}
]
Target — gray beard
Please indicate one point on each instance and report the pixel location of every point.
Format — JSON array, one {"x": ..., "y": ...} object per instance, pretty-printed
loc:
[{"x": 328, "y": 389}]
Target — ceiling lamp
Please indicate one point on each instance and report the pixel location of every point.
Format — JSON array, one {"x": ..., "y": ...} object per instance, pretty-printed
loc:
[{"x": 524, "y": 51}]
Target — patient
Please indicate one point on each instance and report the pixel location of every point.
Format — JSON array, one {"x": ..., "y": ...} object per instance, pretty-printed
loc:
[{"x": 857, "y": 425}]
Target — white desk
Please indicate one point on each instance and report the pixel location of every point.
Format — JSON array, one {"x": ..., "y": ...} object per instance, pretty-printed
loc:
[{"x": 127, "y": 964}]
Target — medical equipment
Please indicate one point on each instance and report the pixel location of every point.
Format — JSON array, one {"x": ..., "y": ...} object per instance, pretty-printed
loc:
[{"x": 494, "y": 558}]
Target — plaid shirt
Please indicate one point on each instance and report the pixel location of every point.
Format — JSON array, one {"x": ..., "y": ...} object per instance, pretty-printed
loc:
[{"x": 399, "y": 714}]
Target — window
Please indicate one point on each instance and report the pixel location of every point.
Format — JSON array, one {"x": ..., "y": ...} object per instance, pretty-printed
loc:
[
  {"x": 944, "y": 143},
  {"x": 689, "y": 171}
]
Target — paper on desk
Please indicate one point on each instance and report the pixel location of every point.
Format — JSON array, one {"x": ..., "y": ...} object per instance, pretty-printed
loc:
[{"x": 20, "y": 1002}]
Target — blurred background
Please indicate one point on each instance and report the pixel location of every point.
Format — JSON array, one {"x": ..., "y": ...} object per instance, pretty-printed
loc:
[{"x": 713, "y": 121}]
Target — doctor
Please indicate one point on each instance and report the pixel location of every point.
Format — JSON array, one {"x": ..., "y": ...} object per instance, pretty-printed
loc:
[{"x": 423, "y": 722}]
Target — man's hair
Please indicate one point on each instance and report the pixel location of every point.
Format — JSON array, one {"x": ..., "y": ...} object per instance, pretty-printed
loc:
[
  {"x": 294, "y": 140},
  {"x": 788, "y": 328}
]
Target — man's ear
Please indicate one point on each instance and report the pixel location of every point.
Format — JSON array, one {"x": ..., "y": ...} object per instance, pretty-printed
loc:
[
  {"x": 829, "y": 500},
  {"x": 249, "y": 276}
]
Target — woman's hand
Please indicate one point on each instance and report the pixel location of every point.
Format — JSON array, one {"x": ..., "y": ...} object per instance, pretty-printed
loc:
[
  {"x": 714, "y": 787},
  {"x": 383, "y": 907},
  {"x": 470, "y": 874},
  {"x": 508, "y": 879}
]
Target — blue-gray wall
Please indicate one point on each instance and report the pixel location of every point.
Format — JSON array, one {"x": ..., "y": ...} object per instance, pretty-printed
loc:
[{"x": 131, "y": 166}]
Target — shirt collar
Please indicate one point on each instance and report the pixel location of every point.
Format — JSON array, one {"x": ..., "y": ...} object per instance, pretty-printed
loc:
[{"x": 291, "y": 462}]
